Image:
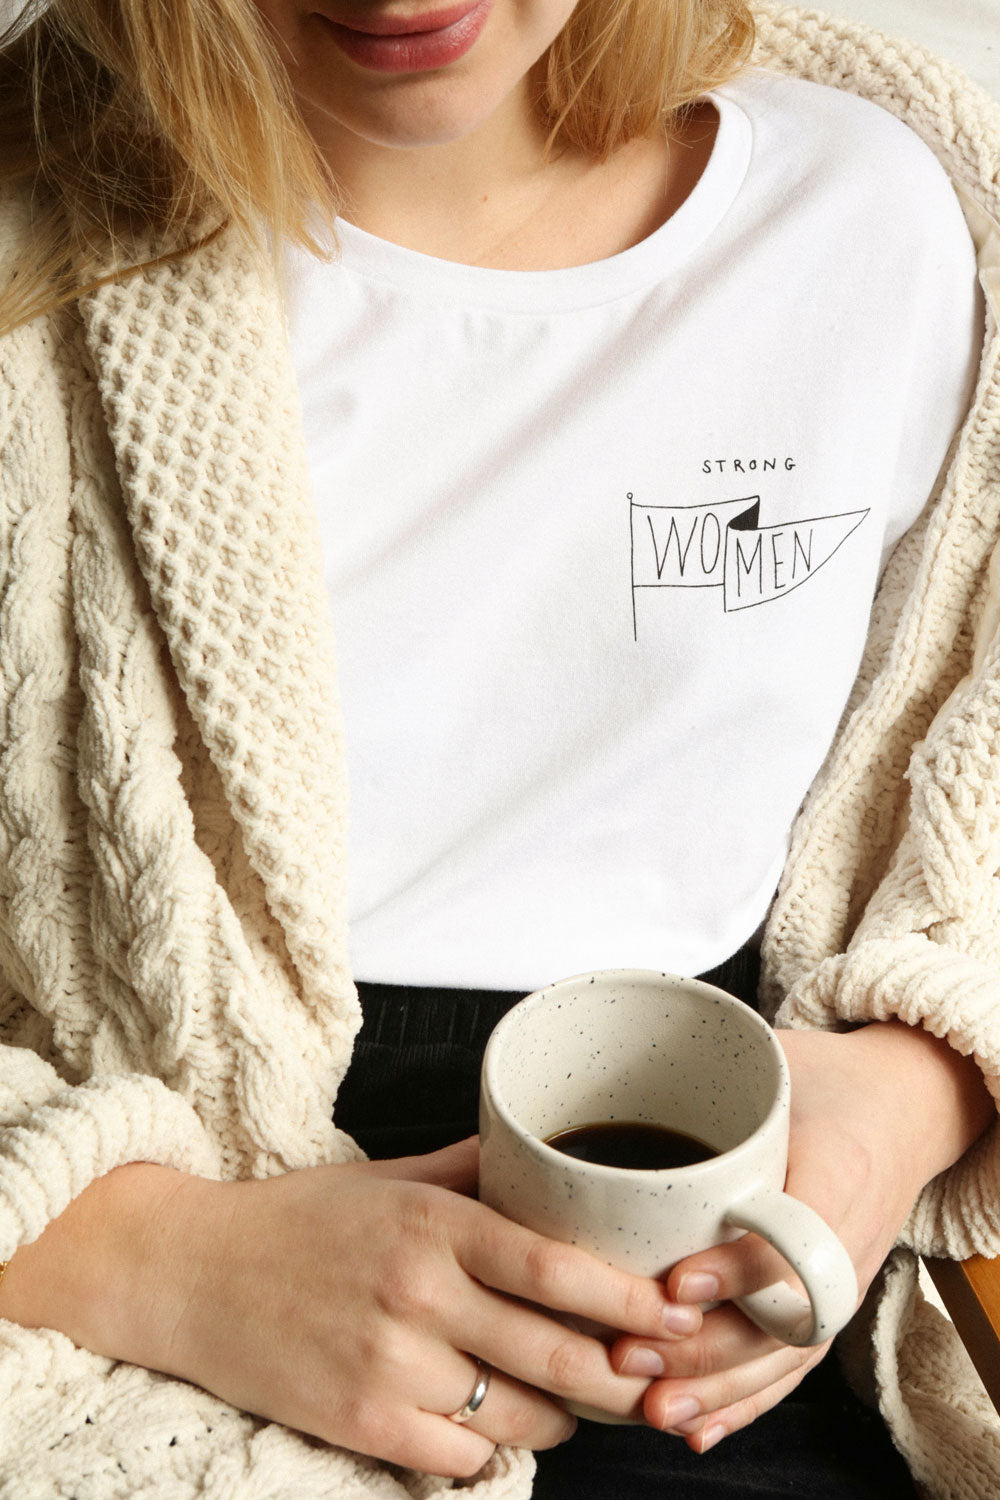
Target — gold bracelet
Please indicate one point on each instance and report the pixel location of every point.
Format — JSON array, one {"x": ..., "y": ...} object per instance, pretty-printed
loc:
[{"x": 3, "y": 1266}]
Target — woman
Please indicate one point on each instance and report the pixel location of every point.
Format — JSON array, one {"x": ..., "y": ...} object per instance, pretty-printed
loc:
[{"x": 179, "y": 1009}]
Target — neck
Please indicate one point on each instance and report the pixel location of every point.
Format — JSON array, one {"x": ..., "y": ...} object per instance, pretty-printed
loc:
[
  {"x": 499, "y": 202},
  {"x": 463, "y": 192}
]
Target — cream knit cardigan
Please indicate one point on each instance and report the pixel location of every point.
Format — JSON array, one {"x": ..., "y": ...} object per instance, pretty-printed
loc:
[{"x": 173, "y": 974}]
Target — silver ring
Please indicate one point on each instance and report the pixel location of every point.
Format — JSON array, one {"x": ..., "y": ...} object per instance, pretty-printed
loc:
[{"x": 478, "y": 1395}]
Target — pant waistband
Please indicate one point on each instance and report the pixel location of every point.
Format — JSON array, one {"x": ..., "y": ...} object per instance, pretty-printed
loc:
[{"x": 401, "y": 1015}]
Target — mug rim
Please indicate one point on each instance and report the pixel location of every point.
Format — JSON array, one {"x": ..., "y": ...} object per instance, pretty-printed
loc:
[{"x": 535, "y": 1144}]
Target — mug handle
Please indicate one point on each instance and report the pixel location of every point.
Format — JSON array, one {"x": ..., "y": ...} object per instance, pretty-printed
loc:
[{"x": 815, "y": 1254}]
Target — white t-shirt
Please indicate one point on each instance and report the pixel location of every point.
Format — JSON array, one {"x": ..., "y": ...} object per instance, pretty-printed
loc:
[{"x": 602, "y": 542}]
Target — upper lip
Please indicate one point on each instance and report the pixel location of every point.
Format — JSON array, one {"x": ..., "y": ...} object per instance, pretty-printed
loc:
[{"x": 390, "y": 25}]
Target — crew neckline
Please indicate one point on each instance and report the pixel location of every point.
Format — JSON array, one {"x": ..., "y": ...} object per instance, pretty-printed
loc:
[{"x": 367, "y": 256}]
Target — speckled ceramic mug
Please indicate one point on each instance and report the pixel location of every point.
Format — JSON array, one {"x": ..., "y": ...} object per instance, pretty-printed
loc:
[{"x": 635, "y": 1045}]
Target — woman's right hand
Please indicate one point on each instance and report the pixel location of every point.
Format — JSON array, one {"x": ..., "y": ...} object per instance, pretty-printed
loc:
[{"x": 351, "y": 1302}]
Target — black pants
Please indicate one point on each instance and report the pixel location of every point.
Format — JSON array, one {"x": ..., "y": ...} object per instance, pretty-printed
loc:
[{"x": 413, "y": 1086}]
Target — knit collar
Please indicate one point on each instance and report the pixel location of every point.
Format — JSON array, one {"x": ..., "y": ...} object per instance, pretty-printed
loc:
[{"x": 200, "y": 402}]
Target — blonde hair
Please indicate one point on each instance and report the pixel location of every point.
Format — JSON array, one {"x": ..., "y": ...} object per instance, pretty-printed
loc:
[{"x": 141, "y": 127}]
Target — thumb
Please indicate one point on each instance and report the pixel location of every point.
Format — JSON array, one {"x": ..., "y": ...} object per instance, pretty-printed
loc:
[{"x": 455, "y": 1167}]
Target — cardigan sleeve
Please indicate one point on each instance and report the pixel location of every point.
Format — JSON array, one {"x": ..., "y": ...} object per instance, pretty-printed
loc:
[
  {"x": 927, "y": 948},
  {"x": 55, "y": 1140},
  {"x": 955, "y": 996}
]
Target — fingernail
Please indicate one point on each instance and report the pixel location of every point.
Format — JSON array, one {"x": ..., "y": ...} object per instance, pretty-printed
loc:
[
  {"x": 643, "y": 1362},
  {"x": 681, "y": 1319},
  {"x": 681, "y": 1409},
  {"x": 698, "y": 1286},
  {"x": 710, "y": 1437}
]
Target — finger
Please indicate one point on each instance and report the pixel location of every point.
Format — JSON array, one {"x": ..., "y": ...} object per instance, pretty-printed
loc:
[
  {"x": 727, "y": 1338},
  {"x": 421, "y": 1440},
  {"x": 725, "y": 1271},
  {"x": 704, "y": 1432},
  {"x": 731, "y": 1397},
  {"x": 396, "y": 1410},
  {"x": 418, "y": 1430},
  {"x": 514, "y": 1260},
  {"x": 455, "y": 1167},
  {"x": 516, "y": 1414},
  {"x": 527, "y": 1345}
]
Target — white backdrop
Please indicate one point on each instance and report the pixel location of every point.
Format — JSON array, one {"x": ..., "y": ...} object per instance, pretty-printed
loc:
[{"x": 966, "y": 31}]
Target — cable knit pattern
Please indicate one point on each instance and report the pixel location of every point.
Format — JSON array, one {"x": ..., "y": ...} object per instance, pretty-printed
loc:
[
  {"x": 947, "y": 1428},
  {"x": 172, "y": 824}
]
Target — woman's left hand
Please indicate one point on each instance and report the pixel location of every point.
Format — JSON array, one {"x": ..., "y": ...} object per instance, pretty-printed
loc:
[{"x": 859, "y": 1154}]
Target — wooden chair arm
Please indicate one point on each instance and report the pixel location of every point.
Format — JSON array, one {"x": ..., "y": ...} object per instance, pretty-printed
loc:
[{"x": 970, "y": 1290}]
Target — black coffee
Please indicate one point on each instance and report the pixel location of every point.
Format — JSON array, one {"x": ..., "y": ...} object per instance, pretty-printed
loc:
[{"x": 630, "y": 1144}]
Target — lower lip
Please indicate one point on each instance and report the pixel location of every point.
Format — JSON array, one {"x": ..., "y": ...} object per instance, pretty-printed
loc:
[{"x": 415, "y": 51}]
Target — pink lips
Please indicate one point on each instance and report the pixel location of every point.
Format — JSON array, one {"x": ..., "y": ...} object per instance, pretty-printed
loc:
[{"x": 411, "y": 44}]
